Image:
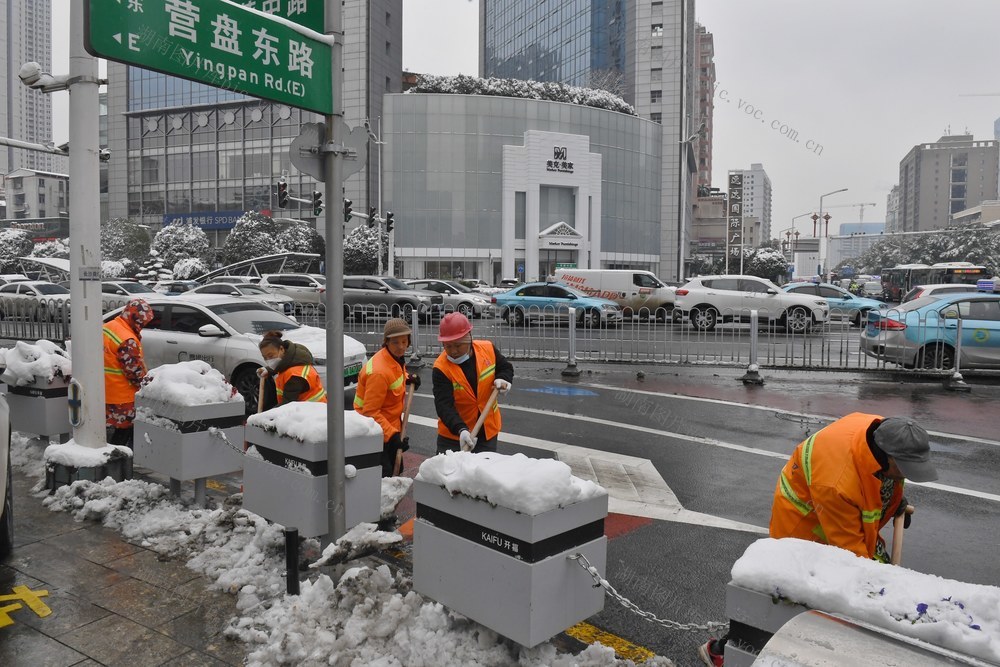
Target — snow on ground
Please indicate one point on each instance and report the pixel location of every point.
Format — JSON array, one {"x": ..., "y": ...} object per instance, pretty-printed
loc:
[
  {"x": 523, "y": 484},
  {"x": 188, "y": 383},
  {"x": 366, "y": 616},
  {"x": 73, "y": 455},
  {"x": 362, "y": 539},
  {"x": 957, "y": 615},
  {"x": 44, "y": 359},
  {"x": 393, "y": 490},
  {"x": 306, "y": 422}
]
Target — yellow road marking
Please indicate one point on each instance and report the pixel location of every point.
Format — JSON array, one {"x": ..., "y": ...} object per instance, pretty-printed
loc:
[
  {"x": 33, "y": 600},
  {"x": 5, "y": 618},
  {"x": 624, "y": 649}
]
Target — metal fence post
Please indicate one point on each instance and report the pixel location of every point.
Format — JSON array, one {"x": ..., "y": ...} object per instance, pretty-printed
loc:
[
  {"x": 752, "y": 375},
  {"x": 571, "y": 370},
  {"x": 956, "y": 382}
]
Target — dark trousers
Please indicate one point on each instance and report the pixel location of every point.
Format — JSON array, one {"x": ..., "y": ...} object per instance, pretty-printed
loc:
[
  {"x": 120, "y": 436},
  {"x": 447, "y": 444},
  {"x": 389, "y": 450}
]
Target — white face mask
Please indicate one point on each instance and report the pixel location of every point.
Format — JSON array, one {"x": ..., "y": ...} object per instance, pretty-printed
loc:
[
  {"x": 458, "y": 360},
  {"x": 272, "y": 363}
]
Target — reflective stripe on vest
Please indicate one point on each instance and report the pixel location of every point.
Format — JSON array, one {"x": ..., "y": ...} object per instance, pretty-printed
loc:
[
  {"x": 807, "y": 453},
  {"x": 791, "y": 496}
]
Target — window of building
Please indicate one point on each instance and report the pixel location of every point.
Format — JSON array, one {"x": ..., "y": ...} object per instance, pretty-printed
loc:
[
  {"x": 656, "y": 74},
  {"x": 655, "y": 96},
  {"x": 388, "y": 18},
  {"x": 388, "y": 48},
  {"x": 41, "y": 182},
  {"x": 41, "y": 197},
  {"x": 656, "y": 117},
  {"x": 657, "y": 30},
  {"x": 520, "y": 207}
]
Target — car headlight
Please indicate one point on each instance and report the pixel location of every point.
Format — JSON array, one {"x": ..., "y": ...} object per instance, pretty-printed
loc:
[
  {"x": 423, "y": 298},
  {"x": 608, "y": 306}
]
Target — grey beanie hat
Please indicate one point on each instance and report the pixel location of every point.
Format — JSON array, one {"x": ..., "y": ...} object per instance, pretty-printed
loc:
[{"x": 907, "y": 443}]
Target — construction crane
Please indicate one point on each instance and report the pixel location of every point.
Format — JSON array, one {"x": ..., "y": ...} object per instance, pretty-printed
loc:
[{"x": 861, "y": 209}]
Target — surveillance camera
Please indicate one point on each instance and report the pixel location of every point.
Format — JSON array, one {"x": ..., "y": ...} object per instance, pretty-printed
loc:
[
  {"x": 104, "y": 155},
  {"x": 30, "y": 73}
]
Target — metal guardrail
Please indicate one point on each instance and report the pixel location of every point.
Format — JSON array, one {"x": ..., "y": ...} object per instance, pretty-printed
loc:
[{"x": 835, "y": 344}]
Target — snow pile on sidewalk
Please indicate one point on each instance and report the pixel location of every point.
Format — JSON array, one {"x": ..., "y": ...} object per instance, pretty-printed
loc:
[
  {"x": 953, "y": 614},
  {"x": 187, "y": 383},
  {"x": 306, "y": 422},
  {"x": 25, "y": 361},
  {"x": 523, "y": 484},
  {"x": 370, "y": 616},
  {"x": 73, "y": 455}
]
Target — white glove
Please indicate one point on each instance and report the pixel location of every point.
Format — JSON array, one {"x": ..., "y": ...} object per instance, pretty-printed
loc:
[
  {"x": 466, "y": 441},
  {"x": 502, "y": 385},
  {"x": 262, "y": 372}
]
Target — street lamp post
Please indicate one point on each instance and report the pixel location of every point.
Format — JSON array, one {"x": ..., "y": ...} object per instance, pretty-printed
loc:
[
  {"x": 825, "y": 241},
  {"x": 377, "y": 140}
]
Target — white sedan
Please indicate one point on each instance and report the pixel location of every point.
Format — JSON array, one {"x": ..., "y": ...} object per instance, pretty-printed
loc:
[
  {"x": 280, "y": 302},
  {"x": 225, "y": 331}
]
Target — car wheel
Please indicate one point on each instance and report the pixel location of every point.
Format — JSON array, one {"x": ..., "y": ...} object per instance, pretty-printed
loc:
[
  {"x": 247, "y": 383},
  {"x": 661, "y": 315},
  {"x": 7, "y": 517},
  {"x": 860, "y": 318},
  {"x": 703, "y": 318},
  {"x": 516, "y": 317},
  {"x": 466, "y": 309},
  {"x": 798, "y": 320},
  {"x": 590, "y": 319},
  {"x": 936, "y": 357}
]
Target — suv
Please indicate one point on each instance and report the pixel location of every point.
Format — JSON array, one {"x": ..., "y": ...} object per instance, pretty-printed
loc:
[
  {"x": 389, "y": 296},
  {"x": 303, "y": 287},
  {"x": 842, "y": 303},
  {"x": 116, "y": 293},
  {"x": 937, "y": 290},
  {"x": 709, "y": 300}
]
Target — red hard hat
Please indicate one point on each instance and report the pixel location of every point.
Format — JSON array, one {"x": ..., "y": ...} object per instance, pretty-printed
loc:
[{"x": 453, "y": 327}]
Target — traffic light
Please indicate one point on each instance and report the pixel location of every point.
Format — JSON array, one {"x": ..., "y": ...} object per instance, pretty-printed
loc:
[
  {"x": 372, "y": 213},
  {"x": 347, "y": 210},
  {"x": 282, "y": 194},
  {"x": 388, "y": 221},
  {"x": 317, "y": 202}
]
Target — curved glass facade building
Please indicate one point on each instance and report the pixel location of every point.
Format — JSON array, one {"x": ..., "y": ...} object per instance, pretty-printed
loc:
[{"x": 495, "y": 187}]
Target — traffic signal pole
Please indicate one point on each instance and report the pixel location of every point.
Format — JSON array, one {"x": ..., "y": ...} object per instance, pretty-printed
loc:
[{"x": 333, "y": 171}]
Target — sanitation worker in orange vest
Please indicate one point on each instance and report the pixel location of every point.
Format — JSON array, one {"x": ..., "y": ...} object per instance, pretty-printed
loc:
[
  {"x": 382, "y": 389},
  {"x": 124, "y": 369},
  {"x": 464, "y": 376},
  {"x": 843, "y": 484},
  {"x": 291, "y": 366}
]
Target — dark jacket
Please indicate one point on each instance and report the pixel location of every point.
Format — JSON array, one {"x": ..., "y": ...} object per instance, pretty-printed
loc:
[
  {"x": 296, "y": 354},
  {"x": 444, "y": 394}
]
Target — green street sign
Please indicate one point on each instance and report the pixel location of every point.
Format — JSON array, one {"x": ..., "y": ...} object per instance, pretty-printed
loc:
[
  {"x": 304, "y": 12},
  {"x": 218, "y": 43}
]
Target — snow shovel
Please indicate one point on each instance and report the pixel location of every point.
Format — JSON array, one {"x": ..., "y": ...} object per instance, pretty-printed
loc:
[
  {"x": 482, "y": 417},
  {"x": 260, "y": 395},
  {"x": 397, "y": 468},
  {"x": 897, "y": 536}
]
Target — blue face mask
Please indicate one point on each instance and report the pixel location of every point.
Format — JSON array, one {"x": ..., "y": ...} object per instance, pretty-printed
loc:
[{"x": 458, "y": 360}]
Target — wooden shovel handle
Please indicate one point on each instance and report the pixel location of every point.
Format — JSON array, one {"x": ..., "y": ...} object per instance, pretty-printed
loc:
[
  {"x": 260, "y": 394},
  {"x": 897, "y": 536},
  {"x": 482, "y": 417},
  {"x": 397, "y": 467}
]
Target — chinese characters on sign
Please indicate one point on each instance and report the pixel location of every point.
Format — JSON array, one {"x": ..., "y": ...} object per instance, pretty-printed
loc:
[
  {"x": 558, "y": 161},
  {"x": 734, "y": 215},
  {"x": 222, "y": 44}
]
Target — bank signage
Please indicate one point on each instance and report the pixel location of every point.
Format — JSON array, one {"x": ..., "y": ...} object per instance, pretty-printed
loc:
[
  {"x": 219, "y": 43},
  {"x": 205, "y": 219},
  {"x": 559, "y": 161}
]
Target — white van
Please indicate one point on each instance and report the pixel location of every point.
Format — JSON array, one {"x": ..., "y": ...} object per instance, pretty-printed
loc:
[{"x": 636, "y": 291}]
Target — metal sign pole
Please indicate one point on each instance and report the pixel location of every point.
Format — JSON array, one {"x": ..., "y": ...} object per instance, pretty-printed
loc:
[{"x": 333, "y": 186}]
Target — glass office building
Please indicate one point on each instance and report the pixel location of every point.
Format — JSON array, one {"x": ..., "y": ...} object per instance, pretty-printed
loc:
[{"x": 494, "y": 187}]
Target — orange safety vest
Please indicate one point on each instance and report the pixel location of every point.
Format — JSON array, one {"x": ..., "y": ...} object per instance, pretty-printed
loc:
[
  {"x": 380, "y": 392},
  {"x": 828, "y": 492},
  {"x": 117, "y": 388},
  {"x": 315, "y": 392},
  {"x": 470, "y": 405}
]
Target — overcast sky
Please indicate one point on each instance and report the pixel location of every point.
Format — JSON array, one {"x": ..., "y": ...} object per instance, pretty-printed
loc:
[{"x": 865, "y": 79}]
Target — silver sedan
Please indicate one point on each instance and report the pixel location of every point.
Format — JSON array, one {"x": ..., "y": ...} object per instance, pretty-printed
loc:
[
  {"x": 457, "y": 297},
  {"x": 280, "y": 302}
]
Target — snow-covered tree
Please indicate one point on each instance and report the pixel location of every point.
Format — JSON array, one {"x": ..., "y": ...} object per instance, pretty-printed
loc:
[
  {"x": 59, "y": 249},
  {"x": 300, "y": 236},
  {"x": 188, "y": 268},
  {"x": 706, "y": 265},
  {"x": 123, "y": 238},
  {"x": 361, "y": 250},
  {"x": 767, "y": 263},
  {"x": 14, "y": 243},
  {"x": 254, "y": 235},
  {"x": 112, "y": 270},
  {"x": 181, "y": 241},
  {"x": 152, "y": 270},
  {"x": 978, "y": 245}
]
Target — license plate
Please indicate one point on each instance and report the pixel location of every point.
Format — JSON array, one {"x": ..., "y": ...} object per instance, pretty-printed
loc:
[{"x": 353, "y": 369}]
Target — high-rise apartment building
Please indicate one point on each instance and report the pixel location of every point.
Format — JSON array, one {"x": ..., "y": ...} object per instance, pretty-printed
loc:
[
  {"x": 643, "y": 50},
  {"x": 183, "y": 151},
  {"x": 26, "y": 114},
  {"x": 705, "y": 62},
  {"x": 757, "y": 197},
  {"x": 939, "y": 179},
  {"x": 892, "y": 210}
]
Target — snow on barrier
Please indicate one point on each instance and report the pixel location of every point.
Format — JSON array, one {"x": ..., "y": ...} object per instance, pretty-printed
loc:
[
  {"x": 492, "y": 537},
  {"x": 791, "y": 576},
  {"x": 285, "y": 469},
  {"x": 38, "y": 378},
  {"x": 188, "y": 424}
]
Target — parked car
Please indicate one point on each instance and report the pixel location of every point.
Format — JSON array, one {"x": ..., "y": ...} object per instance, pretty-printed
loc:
[
  {"x": 175, "y": 287},
  {"x": 280, "y": 302},
  {"x": 6, "y": 483},
  {"x": 635, "y": 291},
  {"x": 872, "y": 289},
  {"x": 12, "y": 278},
  {"x": 302, "y": 287},
  {"x": 509, "y": 282},
  {"x": 456, "y": 296},
  {"x": 253, "y": 280},
  {"x": 380, "y": 295},
  {"x": 224, "y": 331},
  {"x": 936, "y": 290},
  {"x": 472, "y": 283},
  {"x": 709, "y": 300},
  {"x": 33, "y": 299},
  {"x": 923, "y": 333},
  {"x": 842, "y": 303},
  {"x": 548, "y": 301},
  {"x": 115, "y": 293}
]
